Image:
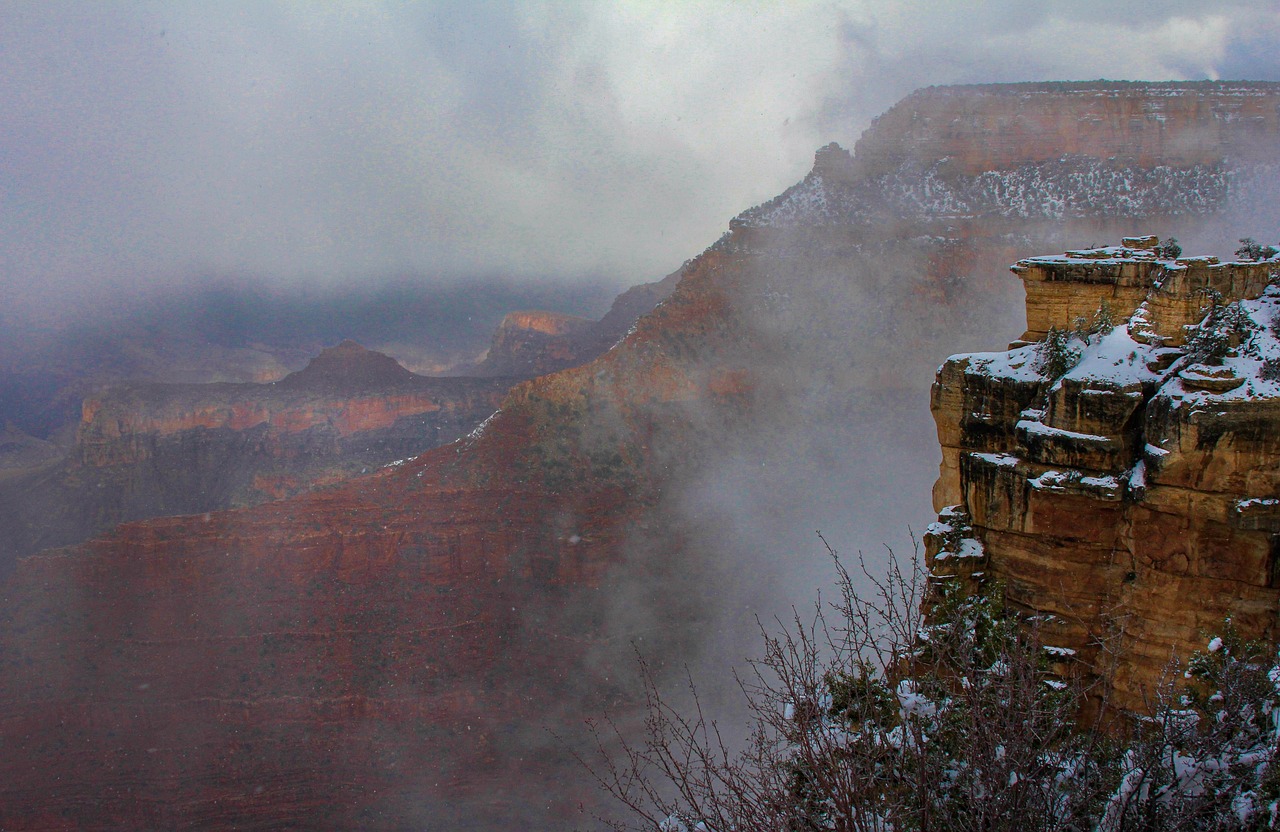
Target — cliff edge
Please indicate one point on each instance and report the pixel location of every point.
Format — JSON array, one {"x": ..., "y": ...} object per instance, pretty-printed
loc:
[{"x": 1118, "y": 469}]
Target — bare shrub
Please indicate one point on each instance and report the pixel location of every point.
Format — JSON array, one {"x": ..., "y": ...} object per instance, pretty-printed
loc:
[{"x": 868, "y": 717}]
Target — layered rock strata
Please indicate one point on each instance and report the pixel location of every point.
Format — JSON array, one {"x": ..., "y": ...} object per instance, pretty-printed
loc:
[
  {"x": 1011, "y": 158},
  {"x": 1121, "y": 474},
  {"x": 378, "y": 657},
  {"x": 383, "y": 654},
  {"x": 147, "y": 450}
]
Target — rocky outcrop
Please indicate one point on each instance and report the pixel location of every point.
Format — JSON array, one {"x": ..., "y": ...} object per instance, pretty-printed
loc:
[
  {"x": 534, "y": 343},
  {"x": 1120, "y": 474},
  {"x": 147, "y": 450},
  {"x": 385, "y": 653}
]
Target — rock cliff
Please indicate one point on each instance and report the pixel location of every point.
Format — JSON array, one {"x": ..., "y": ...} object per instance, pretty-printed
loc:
[
  {"x": 1120, "y": 473},
  {"x": 1179, "y": 126},
  {"x": 384, "y": 654},
  {"x": 1010, "y": 157}
]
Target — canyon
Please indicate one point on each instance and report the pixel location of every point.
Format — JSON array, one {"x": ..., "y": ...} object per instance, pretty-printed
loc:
[
  {"x": 145, "y": 450},
  {"x": 229, "y": 329},
  {"x": 148, "y": 449},
  {"x": 389, "y": 651}
]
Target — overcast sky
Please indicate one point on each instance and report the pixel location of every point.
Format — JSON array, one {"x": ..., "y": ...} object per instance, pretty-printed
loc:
[{"x": 157, "y": 143}]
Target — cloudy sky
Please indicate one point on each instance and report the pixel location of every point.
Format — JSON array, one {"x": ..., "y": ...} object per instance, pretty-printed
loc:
[{"x": 149, "y": 144}]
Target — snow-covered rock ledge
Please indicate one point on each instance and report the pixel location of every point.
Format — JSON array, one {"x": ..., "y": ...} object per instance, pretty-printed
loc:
[{"x": 1124, "y": 464}]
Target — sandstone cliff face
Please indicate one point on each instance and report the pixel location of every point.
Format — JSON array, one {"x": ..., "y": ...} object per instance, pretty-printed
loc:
[
  {"x": 386, "y": 651},
  {"x": 1130, "y": 493},
  {"x": 150, "y": 449}
]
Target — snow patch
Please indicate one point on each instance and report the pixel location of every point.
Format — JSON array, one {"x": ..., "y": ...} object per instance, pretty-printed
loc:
[
  {"x": 1041, "y": 429},
  {"x": 999, "y": 460}
]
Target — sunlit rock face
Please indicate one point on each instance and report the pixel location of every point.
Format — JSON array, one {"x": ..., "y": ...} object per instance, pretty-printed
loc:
[
  {"x": 1130, "y": 492},
  {"x": 533, "y": 342},
  {"x": 147, "y": 450},
  {"x": 386, "y": 653}
]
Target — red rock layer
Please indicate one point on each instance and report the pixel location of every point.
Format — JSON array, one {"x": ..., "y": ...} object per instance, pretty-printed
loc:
[
  {"x": 384, "y": 654},
  {"x": 153, "y": 449},
  {"x": 985, "y": 128},
  {"x": 377, "y": 657}
]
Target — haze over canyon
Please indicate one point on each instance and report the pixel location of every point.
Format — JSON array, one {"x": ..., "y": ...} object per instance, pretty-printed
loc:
[
  {"x": 391, "y": 606},
  {"x": 381, "y": 384}
]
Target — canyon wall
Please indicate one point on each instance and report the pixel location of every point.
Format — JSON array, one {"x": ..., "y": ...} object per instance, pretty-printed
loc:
[
  {"x": 976, "y": 129},
  {"x": 156, "y": 449},
  {"x": 1025, "y": 159},
  {"x": 147, "y": 450},
  {"x": 1127, "y": 492},
  {"x": 389, "y": 652},
  {"x": 386, "y": 653}
]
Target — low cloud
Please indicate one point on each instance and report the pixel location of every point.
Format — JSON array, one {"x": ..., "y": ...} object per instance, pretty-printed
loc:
[{"x": 147, "y": 143}]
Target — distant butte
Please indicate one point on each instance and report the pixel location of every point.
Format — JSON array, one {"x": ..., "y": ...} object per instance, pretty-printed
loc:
[
  {"x": 349, "y": 366},
  {"x": 534, "y": 342}
]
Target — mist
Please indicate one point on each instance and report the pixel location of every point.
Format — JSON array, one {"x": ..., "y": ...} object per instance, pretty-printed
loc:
[
  {"x": 837, "y": 447},
  {"x": 146, "y": 144},
  {"x": 229, "y": 173}
]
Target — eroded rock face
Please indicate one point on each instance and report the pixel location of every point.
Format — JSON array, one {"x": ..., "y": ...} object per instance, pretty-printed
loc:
[
  {"x": 385, "y": 653},
  {"x": 979, "y": 128},
  {"x": 1132, "y": 495},
  {"x": 534, "y": 343},
  {"x": 148, "y": 450}
]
